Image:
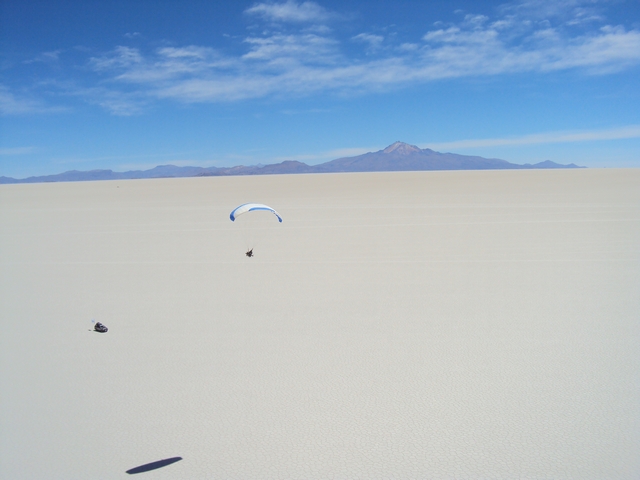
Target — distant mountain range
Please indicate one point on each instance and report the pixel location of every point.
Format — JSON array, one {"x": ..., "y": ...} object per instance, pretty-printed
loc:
[{"x": 396, "y": 157}]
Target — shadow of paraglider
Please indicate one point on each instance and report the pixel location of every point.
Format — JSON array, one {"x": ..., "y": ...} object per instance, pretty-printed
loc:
[{"x": 153, "y": 465}]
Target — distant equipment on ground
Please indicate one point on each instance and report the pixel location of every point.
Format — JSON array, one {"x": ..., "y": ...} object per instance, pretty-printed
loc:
[{"x": 100, "y": 328}]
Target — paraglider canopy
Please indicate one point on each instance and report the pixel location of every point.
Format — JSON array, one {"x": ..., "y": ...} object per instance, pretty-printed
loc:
[{"x": 250, "y": 207}]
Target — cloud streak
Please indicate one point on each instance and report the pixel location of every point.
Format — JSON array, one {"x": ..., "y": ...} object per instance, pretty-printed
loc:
[
  {"x": 289, "y": 11},
  {"x": 20, "y": 104},
  {"x": 305, "y": 58},
  {"x": 17, "y": 150},
  {"x": 619, "y": 133},
  {"x": 374, "y": 42}
]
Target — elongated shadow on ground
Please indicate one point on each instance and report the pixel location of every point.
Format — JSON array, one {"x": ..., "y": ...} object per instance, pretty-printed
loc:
[{"x": 154, "y": 465}]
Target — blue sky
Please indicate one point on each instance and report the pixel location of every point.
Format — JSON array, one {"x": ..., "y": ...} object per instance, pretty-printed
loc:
[{"x": 133, "y": 84}]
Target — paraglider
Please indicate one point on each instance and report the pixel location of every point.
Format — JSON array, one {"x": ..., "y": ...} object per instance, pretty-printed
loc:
[
  {"x": 250, "y": 226},
  {"x": 251, "y": 207}
]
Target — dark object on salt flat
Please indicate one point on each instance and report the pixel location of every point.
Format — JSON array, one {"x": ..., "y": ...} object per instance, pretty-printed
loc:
[
  {"x": 154, "y": 465},
  {"x": 100, "y": 328}
]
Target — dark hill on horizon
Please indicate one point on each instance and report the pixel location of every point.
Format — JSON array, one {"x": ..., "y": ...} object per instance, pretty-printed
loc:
[{"x": 395, "y": 158}]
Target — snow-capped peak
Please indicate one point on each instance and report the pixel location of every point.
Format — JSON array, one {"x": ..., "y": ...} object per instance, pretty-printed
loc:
[{"x": 402, "y": 148}]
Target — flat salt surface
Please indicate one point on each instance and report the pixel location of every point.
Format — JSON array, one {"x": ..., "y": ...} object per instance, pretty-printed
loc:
[{"x": 395, "y": 326}]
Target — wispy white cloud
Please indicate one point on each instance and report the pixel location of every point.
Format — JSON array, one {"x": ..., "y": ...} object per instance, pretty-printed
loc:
[
  {"x": 22, "y": 104},
  {"x": 408, "y": 47},
  {"x": 121, "y": 57},
  {"x": 11, "y": 105},
  {"x": 475, "y": 20},
  {"x": 17, "y": 150},
  {"x": 281, "y": 49},
  {"x": 629, "y": 131},
  {"x": 611, "y": 49},
  {"x": 567, "y": 11},
  {"x": 526, "y": 36},
  {"x": 306, "y": 63},
  {"x": 115, "y": 101},
  {"x": 130, "y": 65},
  {"x": 454, "y": 52},
  {"x": 310, "y": 110},
  {"x": 289, "y": 11},
  {"x": 373, "y": 41},
  {"x": 46, "y": 57}
]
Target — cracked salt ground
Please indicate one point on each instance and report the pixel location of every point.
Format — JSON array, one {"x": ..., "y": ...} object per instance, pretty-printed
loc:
[{"x": 403, "y": 325}]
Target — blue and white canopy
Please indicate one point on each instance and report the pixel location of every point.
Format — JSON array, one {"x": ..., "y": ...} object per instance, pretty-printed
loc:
[{"x": 250, "y": 207}]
